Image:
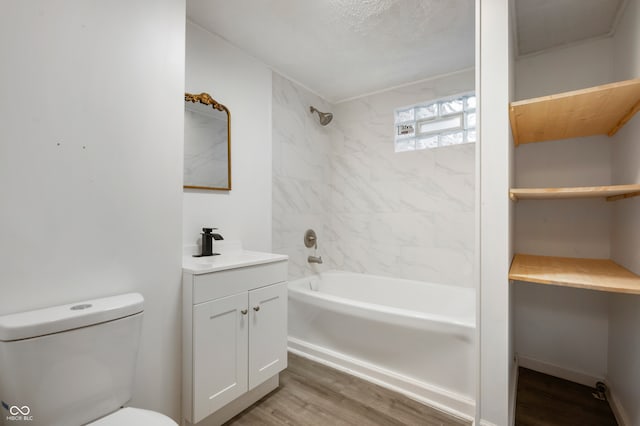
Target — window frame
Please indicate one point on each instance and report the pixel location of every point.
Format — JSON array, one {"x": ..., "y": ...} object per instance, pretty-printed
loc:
[{"x": 415, "y": 123}]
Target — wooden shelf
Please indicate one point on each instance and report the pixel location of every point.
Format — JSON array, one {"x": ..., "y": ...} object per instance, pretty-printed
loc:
[
  {"x": 592, "y": 274},
  {"x": 611, "y": 192},
  {"x": 600, "y": 110}
]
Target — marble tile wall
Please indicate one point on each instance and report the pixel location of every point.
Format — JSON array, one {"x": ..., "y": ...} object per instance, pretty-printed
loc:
[
  {"x": 301, "y": 175},
  {"x": 408, "y": 215}
]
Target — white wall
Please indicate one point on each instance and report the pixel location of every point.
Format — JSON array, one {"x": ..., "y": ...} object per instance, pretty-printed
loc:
[
  {"x": 562, "y": 331},
  {"x": 557, "y": 330},
  {"x": 626, "y": 41},
  {"x": 495, "y": 232},
  {"x": 91, "y": 166},
  {"x": 513, "y": 365},
  {"x": 564, "y": 69},
  {"x": 624, "y": 339},
  {"x": 409, "y": 214},
  {"x": 242, "y": 84}
]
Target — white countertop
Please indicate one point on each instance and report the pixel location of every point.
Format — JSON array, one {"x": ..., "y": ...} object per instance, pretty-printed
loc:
[{"x": 228, "y": 260}]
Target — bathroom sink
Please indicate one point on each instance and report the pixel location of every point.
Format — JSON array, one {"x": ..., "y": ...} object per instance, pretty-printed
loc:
[{"x": 228, "y": 260}]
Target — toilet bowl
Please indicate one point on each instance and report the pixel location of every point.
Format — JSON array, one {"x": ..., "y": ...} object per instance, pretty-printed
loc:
[
  {"x": 73, "y": 365},
  {"x": 134, "y": 417}
]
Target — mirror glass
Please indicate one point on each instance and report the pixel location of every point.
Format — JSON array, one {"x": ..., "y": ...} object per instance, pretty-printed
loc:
[{"x": 207, "y": 142}]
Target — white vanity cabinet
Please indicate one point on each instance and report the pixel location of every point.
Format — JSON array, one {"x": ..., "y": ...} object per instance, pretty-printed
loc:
[
  {"x": 234, "y": 338},
  {"x": 267, "y": 332}
]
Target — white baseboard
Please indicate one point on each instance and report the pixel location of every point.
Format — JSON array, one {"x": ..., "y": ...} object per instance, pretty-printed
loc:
[
  {"x": 618, "y": 410},
  {"x": 558, "y": 371},
  {"x": 441, "y": 399},
  {"x": 486, "y": 423}
]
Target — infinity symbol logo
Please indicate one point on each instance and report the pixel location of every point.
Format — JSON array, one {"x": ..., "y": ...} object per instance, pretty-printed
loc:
[{"x": 15, "y": 410}]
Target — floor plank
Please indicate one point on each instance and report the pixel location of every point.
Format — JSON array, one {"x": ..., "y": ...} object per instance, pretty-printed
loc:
[
  {"x": 545, "y": 400},
  {"x": 311, "y": 394}
]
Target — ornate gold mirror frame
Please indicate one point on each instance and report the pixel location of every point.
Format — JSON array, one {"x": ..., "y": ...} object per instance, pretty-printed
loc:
[{"x": 206, "y": 99}]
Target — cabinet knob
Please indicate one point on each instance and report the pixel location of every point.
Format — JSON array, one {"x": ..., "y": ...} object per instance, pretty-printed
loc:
[
  {"x": 256, "y": 308},
  {"x": 244, "y": 312}
]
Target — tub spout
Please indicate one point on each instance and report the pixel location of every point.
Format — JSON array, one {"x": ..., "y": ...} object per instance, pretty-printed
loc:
[{"x": 314, "y": 259}]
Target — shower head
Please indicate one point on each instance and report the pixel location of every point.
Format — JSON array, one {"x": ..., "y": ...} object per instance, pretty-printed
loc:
[{"x": 325, "y": 117}]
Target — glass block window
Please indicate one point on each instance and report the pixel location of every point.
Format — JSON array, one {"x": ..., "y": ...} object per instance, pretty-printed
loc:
[{"x": 444, "y": 122}]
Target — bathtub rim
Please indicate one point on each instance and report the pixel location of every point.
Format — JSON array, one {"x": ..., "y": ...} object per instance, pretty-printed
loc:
[
  {"x": 385, "y": 277},
  {"x": 388, "y": 314}
]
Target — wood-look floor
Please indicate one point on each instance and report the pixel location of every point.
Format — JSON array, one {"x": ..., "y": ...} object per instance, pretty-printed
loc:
[
  {"x": 312, "y": 394},
  {"x": 545, "y": 400}
]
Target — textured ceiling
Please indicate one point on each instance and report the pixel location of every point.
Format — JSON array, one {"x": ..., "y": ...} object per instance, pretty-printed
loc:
[
  {"x": 544, "y": 24},
  {"x": 346, "y": 48}
]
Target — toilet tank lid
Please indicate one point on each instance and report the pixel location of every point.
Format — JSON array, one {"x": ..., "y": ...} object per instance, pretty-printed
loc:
[{"x": 55, "y": 319}]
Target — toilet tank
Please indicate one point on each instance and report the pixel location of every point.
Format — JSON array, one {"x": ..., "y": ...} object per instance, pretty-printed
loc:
[{"x": 70, "y": 364}]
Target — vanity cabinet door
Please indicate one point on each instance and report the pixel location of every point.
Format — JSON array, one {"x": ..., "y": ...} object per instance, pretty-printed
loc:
[
  {"x": 268, "y": 336},
  {"x": 220, "y": 338}
]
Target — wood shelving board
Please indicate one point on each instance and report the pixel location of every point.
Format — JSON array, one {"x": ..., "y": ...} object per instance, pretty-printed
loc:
[
  {"x": 600, "y": 110},
  {"x": 611, "y": 192},
  {"x": 592, "y": 274}
]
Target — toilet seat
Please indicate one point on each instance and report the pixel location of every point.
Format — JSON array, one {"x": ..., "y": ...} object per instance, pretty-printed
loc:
[{"x": 134, "y": 417}]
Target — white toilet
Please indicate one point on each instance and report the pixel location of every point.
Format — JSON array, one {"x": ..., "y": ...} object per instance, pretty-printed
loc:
[{"x": 73, "y": 365}]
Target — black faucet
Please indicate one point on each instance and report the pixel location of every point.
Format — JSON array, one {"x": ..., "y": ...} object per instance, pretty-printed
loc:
[{"x": 207, "y": 242}]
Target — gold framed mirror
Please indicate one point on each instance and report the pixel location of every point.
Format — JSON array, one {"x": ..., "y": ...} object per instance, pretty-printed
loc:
[{"x": 207, "y": 143}]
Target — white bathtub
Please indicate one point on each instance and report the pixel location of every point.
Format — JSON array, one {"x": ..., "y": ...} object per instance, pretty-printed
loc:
[{"x": 414, "y": 337}]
